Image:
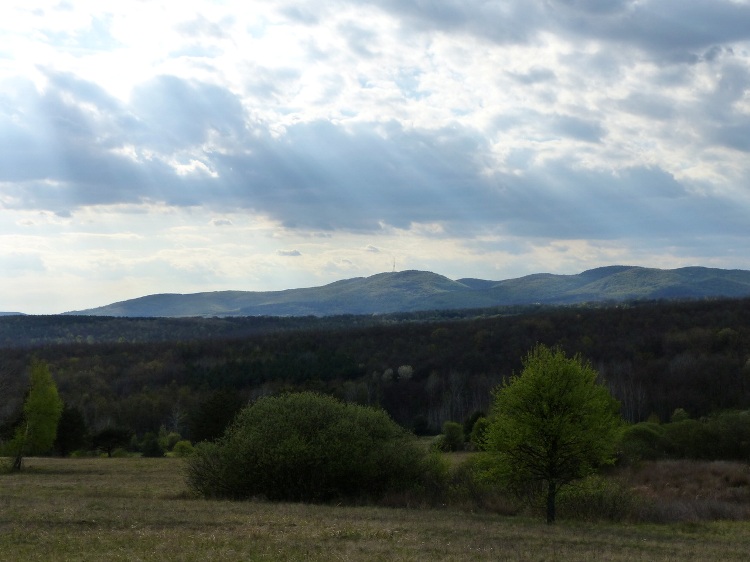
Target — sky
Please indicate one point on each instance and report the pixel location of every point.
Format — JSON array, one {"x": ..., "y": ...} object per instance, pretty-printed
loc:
[{"x": 178, "y": 147}]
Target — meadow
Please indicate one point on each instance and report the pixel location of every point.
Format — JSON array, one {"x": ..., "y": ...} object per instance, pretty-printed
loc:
[{"x": 140, "y": 509}]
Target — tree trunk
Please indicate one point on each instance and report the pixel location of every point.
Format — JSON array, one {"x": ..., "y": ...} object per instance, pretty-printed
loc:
[
  {"x": 551, "y": 494},
  {"x": 21, "y": 444}
]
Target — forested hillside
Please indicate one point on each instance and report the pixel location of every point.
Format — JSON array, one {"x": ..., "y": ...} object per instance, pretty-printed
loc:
[
  {"x": 409, "y": 291},
  {"x": 656, "y": 357}
]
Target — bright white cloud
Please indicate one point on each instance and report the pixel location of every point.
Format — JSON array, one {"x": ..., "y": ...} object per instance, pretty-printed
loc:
[{"x": 481, "y": 139}]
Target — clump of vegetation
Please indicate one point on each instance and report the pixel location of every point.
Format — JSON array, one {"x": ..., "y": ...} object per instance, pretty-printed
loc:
[
  {"x": 183, "y": 448},
  {"x": 312, "y": 448},
  {"x": 150, "y": 446},
  {"x": 479, "y": 434},
  {"x": 642, "y": 441},
  {"x": 599, "y": 498},
  {"x": 451, "y": 439},
  {"x": 721, "y": 436}
]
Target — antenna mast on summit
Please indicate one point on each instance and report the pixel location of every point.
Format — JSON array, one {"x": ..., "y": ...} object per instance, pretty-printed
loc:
[{"x": 394, "y": 265}]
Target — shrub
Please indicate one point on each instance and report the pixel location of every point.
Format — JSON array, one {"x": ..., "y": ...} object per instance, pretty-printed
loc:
[
  {"x": 478, "y": 433},
  {"x": 309, "y": 447},
  {"x": 183, "y": 448},
  {"x": 642, "y": 441},
  {"x": 679, "y": 415},
  {"x": 452, "y": 438},
  {"x": 151, "y": 446},
  {"x": 172, "y": 439},
  {"x": 597, "y": 498},
  {"x": 731, "y": 435},
  {"x": 471, "y": 489},
  {"x": 687, "y": 439},
  {"x": 469, "y": 423}
]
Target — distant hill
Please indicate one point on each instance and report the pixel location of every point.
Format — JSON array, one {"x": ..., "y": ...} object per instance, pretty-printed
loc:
[
  {"x": 410, "y": 291},
  {"x": 11, "y": 314}
]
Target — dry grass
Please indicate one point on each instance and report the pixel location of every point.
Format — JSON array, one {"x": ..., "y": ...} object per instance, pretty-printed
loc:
[
  {"x": 686, "y": 490},
  {"x": 139, "y": 509}
]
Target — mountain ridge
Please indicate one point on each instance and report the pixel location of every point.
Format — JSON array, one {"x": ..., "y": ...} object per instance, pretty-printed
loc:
[{"x": 412, "y": 290}]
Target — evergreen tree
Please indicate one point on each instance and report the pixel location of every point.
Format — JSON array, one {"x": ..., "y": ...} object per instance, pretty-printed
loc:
[{"x": 71, "y": 431}]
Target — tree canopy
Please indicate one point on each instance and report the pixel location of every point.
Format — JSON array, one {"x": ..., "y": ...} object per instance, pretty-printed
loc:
[{"x": 552, "y": 424}]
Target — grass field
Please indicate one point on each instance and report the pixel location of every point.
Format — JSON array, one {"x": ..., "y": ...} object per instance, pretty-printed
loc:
[{"x": 139, "y": 509}]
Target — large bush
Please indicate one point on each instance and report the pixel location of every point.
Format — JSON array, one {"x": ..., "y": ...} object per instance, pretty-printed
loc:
[
  {"x": 643, "y": 441},
  {"x": 309, "y": 447},
  {"x": 723, "y": 436},
  {"x": 452, "y": 438}
]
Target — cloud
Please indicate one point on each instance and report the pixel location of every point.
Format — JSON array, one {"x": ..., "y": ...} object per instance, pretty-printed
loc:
[
  {"x": 503, "y": 22},
  {"x": 15, "y": 264},
  {"x": 576, "y": 128},
  {"x": 523, "y": 133},
  {"x": 201, "y": 26},
  {"x": 192, "y": 148},
  {"x": 289, "y": 253},
  {"x": 534, "y": 75},
  {"x": 668, "y": 30}
]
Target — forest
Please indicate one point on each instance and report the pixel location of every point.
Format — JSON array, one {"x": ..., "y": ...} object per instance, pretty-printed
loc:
[{"x": 190, "y": 376}]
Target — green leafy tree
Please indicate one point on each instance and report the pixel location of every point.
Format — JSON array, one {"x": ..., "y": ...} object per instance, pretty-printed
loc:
[
  {"x": 41, "y": 414},
  {"x": 552, "y": 424}
]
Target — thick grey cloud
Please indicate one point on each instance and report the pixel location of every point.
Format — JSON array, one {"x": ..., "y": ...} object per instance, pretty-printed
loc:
[
  {"x": 326, "y": 177},
  {"x": 57, "y": 150},
  {"x": 578, "y": 128},
  {"x": 670, "y": 30},
  {"x": 558, "y": 201},
  {"x": 682, "y": 31},
  {"x": 62, "y": 154},
  {"x": 653, "y": 106},
  {"x": 534, "y": 75},
  {"x": 510, "y": 21},
  {"x": 182, "y": 114}
]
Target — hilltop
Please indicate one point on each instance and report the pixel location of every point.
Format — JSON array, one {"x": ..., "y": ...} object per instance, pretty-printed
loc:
[{"x": 411, "y": 291}]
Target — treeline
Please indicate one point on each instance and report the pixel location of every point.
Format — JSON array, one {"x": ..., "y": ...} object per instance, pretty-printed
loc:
[
  {"x": 35, "y": 331},
  {"x": 655, "y": 357}
]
